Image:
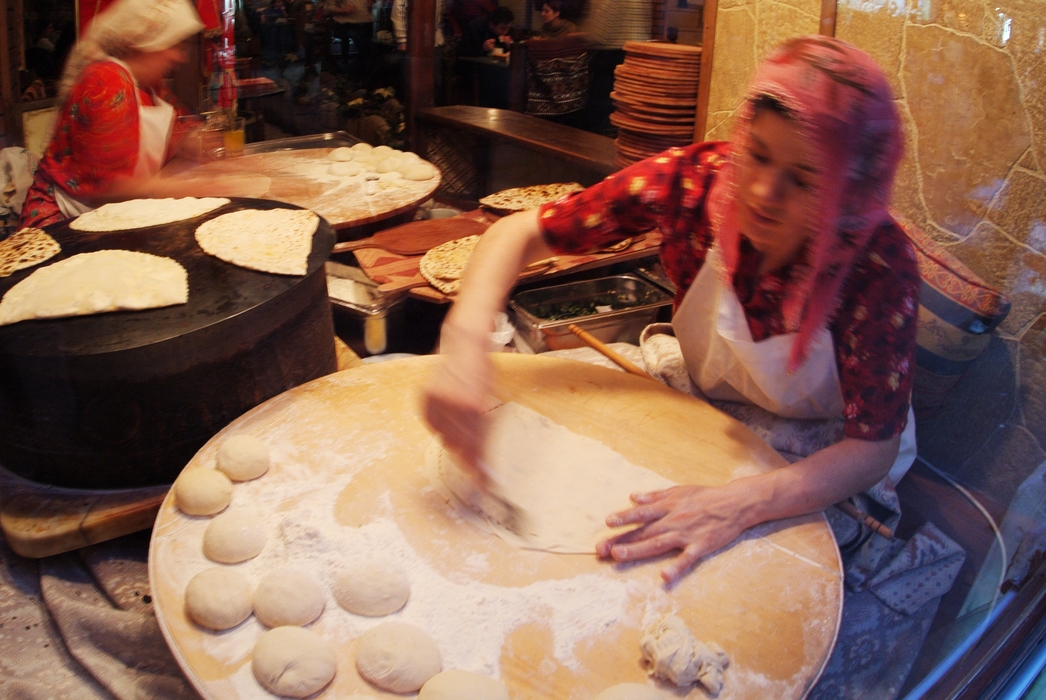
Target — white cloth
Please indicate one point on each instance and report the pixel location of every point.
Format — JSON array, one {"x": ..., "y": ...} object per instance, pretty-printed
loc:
[
  {"x": 155, "y": 123},
  {"x": 17, "y": 166},
  {"x": 725, "y": 363},
  {"x": 399, "y": 21}
]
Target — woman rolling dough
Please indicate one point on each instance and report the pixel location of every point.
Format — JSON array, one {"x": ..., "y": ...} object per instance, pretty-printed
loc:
[
  {"x": 116, "y": 125},
  {"x": 797, "y": 292}
]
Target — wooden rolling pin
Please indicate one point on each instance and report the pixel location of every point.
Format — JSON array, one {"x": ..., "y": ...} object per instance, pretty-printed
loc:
[{"x": 844, "y": 506}]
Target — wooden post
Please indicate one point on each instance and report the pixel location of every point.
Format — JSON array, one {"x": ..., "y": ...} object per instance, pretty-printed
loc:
[
  {"x": 420, "y": 79},
  {"x": 828, "y": 13},
  {"x": 705, "y": 79}
]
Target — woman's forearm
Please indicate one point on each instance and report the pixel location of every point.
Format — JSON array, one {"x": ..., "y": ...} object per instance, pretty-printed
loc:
[
  {"x": 503, "y": 252},
  {"x": 824, "y": 478}
]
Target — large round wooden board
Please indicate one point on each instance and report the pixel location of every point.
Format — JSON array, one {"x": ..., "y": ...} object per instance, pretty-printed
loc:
[
  {"x": 349, "y": 480},
  {"x": 301, "y": 177}
]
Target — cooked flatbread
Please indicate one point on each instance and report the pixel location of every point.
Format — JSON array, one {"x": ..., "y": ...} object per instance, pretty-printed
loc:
[
  {"x": 94, "y": 283},
  {"x": 524, "y": 198},
  {"x": 268, "y": 240},
  {"x": 26, "y": 248},
  {"x": 443, "y": 265},
  {"x": 139, "y": 213}
]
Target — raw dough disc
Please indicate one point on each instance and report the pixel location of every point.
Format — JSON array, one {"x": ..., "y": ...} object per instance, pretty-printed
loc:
[
  {"x": 458, "y": 685},
  {"x": 243, "y": 457},
  {"x": 417, "y": 171},
  {"x": 398, "y": 657},
  {"x": 218, "y": 598},
  {"x": 373, "y": 589},
  {"x": 293, "y": 661},
  {"x": 631, "y": 691},
  {"x": 139, "y": 213},
  {"x": 202, "y": 492},
  {"x": 563, "y": 485},
  {"x": 235, "y": 536},
  {"x": 344, "y": 169},
  {"x": 288, "y": 597},
  {"x": 341, "y": 154}
]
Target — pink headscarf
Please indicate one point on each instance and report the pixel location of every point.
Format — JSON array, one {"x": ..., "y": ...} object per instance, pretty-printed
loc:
[{"x": 844, "y": 107}]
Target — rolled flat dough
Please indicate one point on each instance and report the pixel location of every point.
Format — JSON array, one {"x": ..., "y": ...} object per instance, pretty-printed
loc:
[
  {"x": 561, "y": 484},
  {"x": 139, "y": 213},
  {"x": 97, "y": 282}
]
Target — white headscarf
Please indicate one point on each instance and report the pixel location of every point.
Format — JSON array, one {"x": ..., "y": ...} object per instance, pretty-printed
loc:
[{"x": 127, "y": 26}]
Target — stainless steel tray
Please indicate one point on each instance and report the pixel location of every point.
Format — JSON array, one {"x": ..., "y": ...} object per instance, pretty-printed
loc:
[
  {"x": 613, "y": 309},
  {"x": 331, "y": 139}
]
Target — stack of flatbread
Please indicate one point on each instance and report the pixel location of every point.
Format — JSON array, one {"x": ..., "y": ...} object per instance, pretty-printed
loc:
[
  {"x": 98, "y": 282},
  {"x": 268, "y": 240},
  {"x": 443, "y": 265},
  {"x": 524, "y": 198},
  {"x": 26, "y": 248},
  {"x": 139, "y": 213}
]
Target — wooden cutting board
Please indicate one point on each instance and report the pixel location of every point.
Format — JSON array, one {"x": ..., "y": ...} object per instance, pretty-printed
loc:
[
  {"x": 349, "y": 468},
  {"x": 417, "y": 237}
]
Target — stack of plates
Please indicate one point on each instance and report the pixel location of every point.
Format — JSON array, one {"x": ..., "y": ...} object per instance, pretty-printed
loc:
[{"x": 655, "y": 98}]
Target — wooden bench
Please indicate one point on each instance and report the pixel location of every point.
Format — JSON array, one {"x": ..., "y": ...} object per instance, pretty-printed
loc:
[{"x": 481, "y": 150}]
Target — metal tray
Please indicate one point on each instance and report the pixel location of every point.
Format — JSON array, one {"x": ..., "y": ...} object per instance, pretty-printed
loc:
[
  {"x": 331, "y": 139},
  {"x": 638, "y": 303}
]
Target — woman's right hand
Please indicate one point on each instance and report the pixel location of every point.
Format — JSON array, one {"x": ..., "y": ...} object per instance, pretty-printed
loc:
[{"x": 460, "y": 393}]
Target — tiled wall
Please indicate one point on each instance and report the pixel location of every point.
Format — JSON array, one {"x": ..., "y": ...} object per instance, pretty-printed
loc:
[{"x": 970, "y": 79}]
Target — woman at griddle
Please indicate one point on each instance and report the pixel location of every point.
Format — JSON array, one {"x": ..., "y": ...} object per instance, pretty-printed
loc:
[
  {"x": 797, "y": 294},
  {"x": 117, "y": 123}
]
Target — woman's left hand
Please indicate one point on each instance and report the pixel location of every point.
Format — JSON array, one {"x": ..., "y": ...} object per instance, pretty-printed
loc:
[{"x": 695, "y": 519}]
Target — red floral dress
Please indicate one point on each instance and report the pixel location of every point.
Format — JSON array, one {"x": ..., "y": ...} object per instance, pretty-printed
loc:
[
  {"x": 873, "y": 330},
  {"x": 95, "y": 140}
]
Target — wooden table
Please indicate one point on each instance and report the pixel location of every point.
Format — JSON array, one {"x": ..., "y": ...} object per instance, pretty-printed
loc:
[
  {"x": 298, "y": 175},
  {"x": 349, "y": 471}
]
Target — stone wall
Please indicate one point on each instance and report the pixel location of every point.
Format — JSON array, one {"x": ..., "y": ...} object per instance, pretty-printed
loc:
[{"x": 969, "y": 78}]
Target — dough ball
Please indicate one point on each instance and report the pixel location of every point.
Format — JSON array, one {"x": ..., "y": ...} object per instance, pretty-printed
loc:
[
  {"x": 243, "y": 457},
  {"x": 218, "y": 598},
  {"x": 288, "y": 597},
  {"x": 455, "y": 685},
  {"x": 293, "y": 661},
  {"x": 202, "y": 492},
  {"x": 383, "y": 151},
  {"x": 233, "y": 537},
  {"x": 398, "y": 657},
  {"x": 417, "y": 171},
  {"x": 361, "y": 148},
  {"x": 373, "y": 589},
  {"x": 389, "y": 164},
  {"x": 631, "y": 691},
  {"x": 345, "y": 169},
  {"x": 341, "y": 154}
]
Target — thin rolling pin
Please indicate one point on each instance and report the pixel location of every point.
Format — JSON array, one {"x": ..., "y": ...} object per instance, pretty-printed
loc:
[
  {"x": 844, "y": 506},
  {"x": 621, "y": 362}
]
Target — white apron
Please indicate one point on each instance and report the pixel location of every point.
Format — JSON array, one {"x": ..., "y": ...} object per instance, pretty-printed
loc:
[
  {"x": 154, "y": 133},
  {"x": 725, "y": 363}
]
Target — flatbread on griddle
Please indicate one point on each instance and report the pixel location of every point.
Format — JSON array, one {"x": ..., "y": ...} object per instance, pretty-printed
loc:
[
  {"x": 94, "y": 283},
  {"x": 443, "y": 265},
  {"x": 267, "y": 240},
  {"x": 524, "y": 198},
  {"x": 139, "y": 213},
  {"x": 26, "y": 248}
]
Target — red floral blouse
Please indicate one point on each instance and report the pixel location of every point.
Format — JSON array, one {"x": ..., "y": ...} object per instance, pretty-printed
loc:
[
  {"x": 95, "y": 140},
  {"x": 873, "y": 330}
]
